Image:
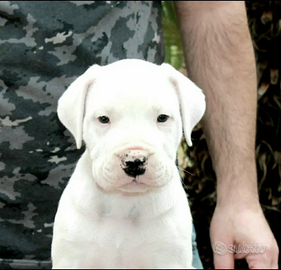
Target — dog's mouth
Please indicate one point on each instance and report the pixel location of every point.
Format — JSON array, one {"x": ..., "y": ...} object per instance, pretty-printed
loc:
[
  {"x": 135, "y": 186},
  {"x": 135, "y": 181}
]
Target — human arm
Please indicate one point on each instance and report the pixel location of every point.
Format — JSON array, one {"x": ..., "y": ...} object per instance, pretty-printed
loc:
[{"x": 220, "y": 59}]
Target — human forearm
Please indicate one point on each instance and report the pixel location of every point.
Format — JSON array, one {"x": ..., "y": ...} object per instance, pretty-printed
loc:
[{"x": 220, "y": 60}]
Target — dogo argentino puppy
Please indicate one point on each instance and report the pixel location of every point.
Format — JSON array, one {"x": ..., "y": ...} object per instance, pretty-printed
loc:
[{"x": 124, "y": 206}]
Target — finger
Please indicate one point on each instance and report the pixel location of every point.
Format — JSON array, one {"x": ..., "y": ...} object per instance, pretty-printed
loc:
[
  {"x": 266, "y": 260},
  {"x": 223, "y": 259}
]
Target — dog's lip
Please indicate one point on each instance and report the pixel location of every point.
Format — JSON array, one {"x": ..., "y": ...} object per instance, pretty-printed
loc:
[{"x": 135, "y": 182}]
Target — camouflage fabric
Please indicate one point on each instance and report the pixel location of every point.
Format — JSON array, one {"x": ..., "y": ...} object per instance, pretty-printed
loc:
[{"x": 44, "y": 46}]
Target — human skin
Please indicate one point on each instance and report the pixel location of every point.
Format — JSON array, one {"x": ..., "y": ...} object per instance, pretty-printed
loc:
[{"x": 220, "y": 59}]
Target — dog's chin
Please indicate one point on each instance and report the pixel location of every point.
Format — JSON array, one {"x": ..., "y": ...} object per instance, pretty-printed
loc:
[
  {"x": 135, "y": 187},
  {"x": 130, "y": 187}
]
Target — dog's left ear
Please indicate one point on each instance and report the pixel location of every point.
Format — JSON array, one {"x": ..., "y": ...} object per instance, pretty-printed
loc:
[
  {"x": 191, "y": 98},
  {"x": 71, "y": 105}
]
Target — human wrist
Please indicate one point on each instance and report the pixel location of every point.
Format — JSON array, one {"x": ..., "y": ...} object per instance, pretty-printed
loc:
[{"x": 238, "y": 191}]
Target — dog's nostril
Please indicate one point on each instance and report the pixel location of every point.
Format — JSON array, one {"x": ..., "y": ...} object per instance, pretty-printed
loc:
[
  {"x": 136, "y": 163},
  {"x": 134, "y": 171}
]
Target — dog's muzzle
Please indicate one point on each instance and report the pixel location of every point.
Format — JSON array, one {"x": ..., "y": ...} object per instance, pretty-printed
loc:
[{"x": 134, "y": 162}]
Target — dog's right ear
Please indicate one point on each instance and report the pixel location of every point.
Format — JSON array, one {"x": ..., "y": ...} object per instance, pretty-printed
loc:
[{"x": 71, "y": 105}]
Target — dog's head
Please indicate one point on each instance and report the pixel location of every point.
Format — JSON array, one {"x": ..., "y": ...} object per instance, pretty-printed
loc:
[{"x": 130, "y": 115}]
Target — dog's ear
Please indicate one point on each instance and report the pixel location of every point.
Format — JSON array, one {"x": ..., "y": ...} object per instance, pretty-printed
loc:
[
  {"x": 71, "y": 105},
  {"x": 191, "y": 98}
]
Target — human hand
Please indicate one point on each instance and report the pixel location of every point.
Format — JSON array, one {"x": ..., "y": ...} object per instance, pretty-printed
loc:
[{"x": 242, "y": 227}]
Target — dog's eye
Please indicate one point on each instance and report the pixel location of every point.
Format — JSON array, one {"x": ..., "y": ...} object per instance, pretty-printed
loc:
[
  {"x": 103, "y": 119},
  {"x": 162, "y": 118}
]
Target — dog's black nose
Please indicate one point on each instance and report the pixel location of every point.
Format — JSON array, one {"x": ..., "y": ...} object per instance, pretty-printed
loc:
[
  {"x": 135, "y": 168},
  {"x": 134, "y": 163}
]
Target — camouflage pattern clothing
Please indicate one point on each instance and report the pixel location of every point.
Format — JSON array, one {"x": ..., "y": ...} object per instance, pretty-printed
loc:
[{"x": 44, "y": 46}]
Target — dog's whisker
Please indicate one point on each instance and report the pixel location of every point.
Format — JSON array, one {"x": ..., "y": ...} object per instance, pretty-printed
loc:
[{"x": 184, "y": 170}]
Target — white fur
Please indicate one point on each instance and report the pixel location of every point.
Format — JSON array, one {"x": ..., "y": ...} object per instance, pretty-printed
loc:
[{"x": 104, "y": 218}]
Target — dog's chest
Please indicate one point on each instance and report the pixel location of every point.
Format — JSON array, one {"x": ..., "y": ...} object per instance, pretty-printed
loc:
[
  {"x": 121, "y": 225},
  {"x": 132, "y": 243},
  {"x": 126, "y": 212},
  {"x": 124, "y": 241}
]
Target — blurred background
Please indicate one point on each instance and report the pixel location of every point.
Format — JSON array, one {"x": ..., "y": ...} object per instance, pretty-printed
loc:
[{"x": 264, "y": 19}]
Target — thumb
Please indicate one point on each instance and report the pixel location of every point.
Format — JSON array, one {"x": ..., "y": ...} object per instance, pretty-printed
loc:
[{"x": 223, "y": 259}]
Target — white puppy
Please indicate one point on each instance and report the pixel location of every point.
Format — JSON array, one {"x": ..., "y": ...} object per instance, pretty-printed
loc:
[{"x": 124, "y": 206}]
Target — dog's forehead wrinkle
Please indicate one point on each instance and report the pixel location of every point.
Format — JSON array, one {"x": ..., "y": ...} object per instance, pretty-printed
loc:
[{"x": 132, "y": 97}]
